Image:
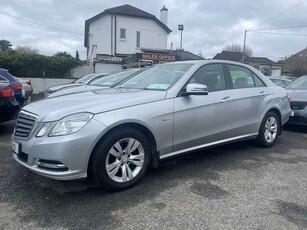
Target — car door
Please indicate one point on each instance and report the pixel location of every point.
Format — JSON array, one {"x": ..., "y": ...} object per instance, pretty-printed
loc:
[
  {"x": 203, "y": 119},
  {"x": 248, "y": 96}
]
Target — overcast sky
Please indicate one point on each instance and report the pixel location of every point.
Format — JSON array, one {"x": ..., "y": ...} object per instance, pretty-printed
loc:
[{"x": 208, "y": 25}]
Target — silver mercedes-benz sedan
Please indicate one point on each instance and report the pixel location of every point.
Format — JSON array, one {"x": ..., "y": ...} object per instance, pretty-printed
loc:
[{"x": 113, "y": 135}]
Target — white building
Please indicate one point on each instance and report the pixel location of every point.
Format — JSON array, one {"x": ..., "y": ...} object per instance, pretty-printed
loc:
[{"x": 121, "y": 31}]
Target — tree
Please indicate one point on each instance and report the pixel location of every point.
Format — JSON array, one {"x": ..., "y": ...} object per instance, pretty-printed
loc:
[
  {"x": 296, "y": 65},
  {"x": 63, "y": 54},
  {"x": 235, "y": 47},
  {"x": 200, "y": 54},
  {"x": 26, "y": 49},
  {"x": 77, "y": 55},
  {"x": 5, "y": 45}
]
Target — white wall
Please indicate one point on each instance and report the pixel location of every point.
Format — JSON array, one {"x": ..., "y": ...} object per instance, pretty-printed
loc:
[
  {"x": 153, "y": 36},
  {"x": 100, "y": 31},
  {"x": 41, "y": 84},
  {"x": 80, "y": 71},
  {"x": 107, "y": 68},
  {"x": 276, "y": 72}
]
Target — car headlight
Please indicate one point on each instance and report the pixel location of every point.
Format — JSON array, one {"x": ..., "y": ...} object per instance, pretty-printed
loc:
[{"x": 70, "y": 124}]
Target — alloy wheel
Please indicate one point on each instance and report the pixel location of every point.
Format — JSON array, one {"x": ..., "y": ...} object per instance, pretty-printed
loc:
[
  {"x": 125, "y": 160},
  {"x": 270, "y": 130}
]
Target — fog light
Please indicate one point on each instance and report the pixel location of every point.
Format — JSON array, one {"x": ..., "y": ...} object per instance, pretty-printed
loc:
[{"x": 51, "y": 165}]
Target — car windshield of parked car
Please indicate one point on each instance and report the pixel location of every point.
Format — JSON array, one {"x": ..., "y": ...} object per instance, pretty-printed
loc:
[
  {"x": 159, "y": 77},
  {"x": 112, "y": 79},
  {"x": 84, "y": 78},
  {"x": 300, "y": 83}
]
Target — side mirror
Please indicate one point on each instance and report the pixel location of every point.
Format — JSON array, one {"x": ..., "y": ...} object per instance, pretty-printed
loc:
[{"x": 195, "y": 89}]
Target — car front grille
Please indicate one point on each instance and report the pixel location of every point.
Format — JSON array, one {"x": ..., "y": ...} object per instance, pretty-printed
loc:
[
  {"x": 25, "y": 124},
  {"x": 298, "y": 105}
]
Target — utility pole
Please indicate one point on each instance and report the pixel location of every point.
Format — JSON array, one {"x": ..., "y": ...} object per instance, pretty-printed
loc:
[{"x": 244, "y": 45}]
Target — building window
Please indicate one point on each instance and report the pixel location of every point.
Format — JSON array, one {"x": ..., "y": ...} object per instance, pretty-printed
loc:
[
  {"x": 122, "y": 34},
  {"x": 138, "y": 39}
]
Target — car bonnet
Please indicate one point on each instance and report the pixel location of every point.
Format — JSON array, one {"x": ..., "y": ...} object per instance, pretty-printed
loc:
[{"x": 95, "y": 101}]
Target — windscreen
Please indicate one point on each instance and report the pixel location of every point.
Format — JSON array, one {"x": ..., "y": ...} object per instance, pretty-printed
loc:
[
  {"x": 159, "y": 77},
  {"x": 113, "y": 79},
  {"x": 84, "y": 78},
  {"x": 300, "y": 83}
]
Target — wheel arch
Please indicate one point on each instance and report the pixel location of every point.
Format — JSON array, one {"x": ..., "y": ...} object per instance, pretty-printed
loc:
[{"x": 142, "y": 128}]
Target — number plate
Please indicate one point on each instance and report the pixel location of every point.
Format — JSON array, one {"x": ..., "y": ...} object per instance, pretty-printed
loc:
[
  {"x": 292, "y": 113},
  {"x": 15, "y": 147}
]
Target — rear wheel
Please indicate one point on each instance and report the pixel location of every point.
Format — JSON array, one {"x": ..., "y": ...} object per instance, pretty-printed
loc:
[
  {"x": 269, "y": 130},
  {"x": 121, "y": 159}
]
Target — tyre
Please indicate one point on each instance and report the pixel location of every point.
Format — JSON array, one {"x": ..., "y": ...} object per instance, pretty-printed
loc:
[
  {"x": 121, "y": 159},
  {"x": 269, "y": 130}
]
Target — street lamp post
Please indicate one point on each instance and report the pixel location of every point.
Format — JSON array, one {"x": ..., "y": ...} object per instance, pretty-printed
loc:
[
  {"x": 180, "y": 27},
  {"x": 244, "y": 46}
]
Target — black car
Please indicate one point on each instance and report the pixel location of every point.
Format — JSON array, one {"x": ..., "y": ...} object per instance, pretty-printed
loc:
[
  {"x": 9, "y": 107},
  {"x": 297, "y": 92}
]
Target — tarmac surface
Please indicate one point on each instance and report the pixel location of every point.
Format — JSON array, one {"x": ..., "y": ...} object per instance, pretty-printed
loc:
[{"x": 236, "y": 186}]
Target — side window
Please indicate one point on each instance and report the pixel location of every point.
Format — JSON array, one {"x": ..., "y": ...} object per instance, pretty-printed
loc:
[
  {"x": 258, "y": 81},
  {"x": 122, "y": 34},
  {"x": 241, "y": 77},
  {"x": 210, "y": 75}
]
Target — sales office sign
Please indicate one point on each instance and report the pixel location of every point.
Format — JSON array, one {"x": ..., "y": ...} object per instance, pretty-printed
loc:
[{"x": 157, "y": 57}]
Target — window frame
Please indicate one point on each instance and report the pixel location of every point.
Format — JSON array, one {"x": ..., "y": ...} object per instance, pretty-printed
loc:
[
  {"x": 252, "y": 73},
  {"x": 227, "y": 86},
  {"x": 120, "y": 34}
]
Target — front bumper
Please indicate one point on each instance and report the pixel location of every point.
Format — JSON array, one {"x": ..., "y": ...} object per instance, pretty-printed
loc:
[
  {"x": 299, "y": 117},
  {"x": 73, "y": 151}
]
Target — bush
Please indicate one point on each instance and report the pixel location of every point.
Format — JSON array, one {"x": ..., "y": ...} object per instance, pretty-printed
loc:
[{"x": 37, "y": 65}]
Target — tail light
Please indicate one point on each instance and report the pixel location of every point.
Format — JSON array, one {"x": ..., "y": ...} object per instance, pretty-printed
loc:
[
  {"x": 17, "y": 86},
  {"x": 28, "y": 82},
  {"x": 7, "y": 93}
]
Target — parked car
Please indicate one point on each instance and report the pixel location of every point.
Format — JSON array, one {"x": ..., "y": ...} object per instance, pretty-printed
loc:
[
  {"x": 9, "y": 107},
  {"x": 27, "y": 87},
  {"x": 113, "y": 135},
  {"x": 297, "y": 91},
  {"x": 79, "y": 82},
  {"x": 108, "y": 81},
  {"x": 282, "y": 82},
  {"x": 6, "y": 77}
]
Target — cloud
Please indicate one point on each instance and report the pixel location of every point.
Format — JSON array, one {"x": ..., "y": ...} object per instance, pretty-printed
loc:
[{"x": 208, "y": 25}]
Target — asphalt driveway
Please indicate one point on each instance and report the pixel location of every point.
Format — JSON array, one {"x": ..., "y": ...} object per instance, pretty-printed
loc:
[{"x": 238, "y": 186}]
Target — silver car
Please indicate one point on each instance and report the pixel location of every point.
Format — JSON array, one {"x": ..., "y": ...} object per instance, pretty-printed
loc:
[
  {"x": 114, "y": 134},
  {"x": 77, "y": 83},
  {"x": 107, "y": 81}
]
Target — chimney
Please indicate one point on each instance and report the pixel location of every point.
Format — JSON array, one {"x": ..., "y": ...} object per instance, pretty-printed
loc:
[{"x": 164, "y": 15}]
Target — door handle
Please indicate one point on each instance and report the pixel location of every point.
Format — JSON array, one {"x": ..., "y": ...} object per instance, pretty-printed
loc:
[
  {"x": 261, "y": 93},
  {"x": 226, "y": 99}
]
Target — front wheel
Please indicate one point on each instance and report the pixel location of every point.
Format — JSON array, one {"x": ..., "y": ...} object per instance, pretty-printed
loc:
[
  {"x": 121, "y": 159},
  {"x": 269, "y": 130}
]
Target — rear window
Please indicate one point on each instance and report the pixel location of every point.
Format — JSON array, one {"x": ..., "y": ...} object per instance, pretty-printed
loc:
[{"x": 2, "y": 79}]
